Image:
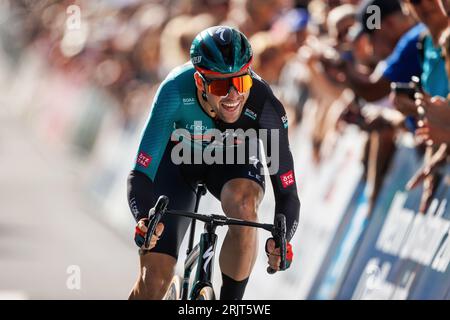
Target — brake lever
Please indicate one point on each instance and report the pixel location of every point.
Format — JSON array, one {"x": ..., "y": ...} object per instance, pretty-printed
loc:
[
  {"x": 279, "y": 235},
  {"x": 154, "y": 216}
]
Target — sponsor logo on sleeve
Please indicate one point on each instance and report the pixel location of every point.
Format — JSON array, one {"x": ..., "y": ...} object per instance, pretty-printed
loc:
[
  {"x": 143, "y": 159},
  {"x": 188, "y": 101},
  {"x": 285, "y": 121},
  {"x": 287, "y": 179}
]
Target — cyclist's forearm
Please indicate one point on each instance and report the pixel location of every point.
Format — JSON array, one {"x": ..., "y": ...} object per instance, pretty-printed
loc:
[
  {"x": 283, "y": 181},
  {"x": 139, "y": 188},
  {"x": 289, "y": 205}
]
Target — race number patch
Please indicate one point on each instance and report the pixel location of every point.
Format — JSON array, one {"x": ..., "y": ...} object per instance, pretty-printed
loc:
[
  {"x": 287, "y": 179},
  {"x": 144, "y": 159}
]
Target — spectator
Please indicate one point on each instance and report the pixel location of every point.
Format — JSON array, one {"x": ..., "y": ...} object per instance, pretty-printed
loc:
[
  {"x": 434, "y": 79},
  {"x": 395, "y": 42},
  {"x": 219, "y": 9},
  {"x": 177, "y": 37},
  {"x": 339, "y": 22},
  {"x": 291, "y": 29},
  {"x": 437, "y": 128},
  {"x": 269, "y": 56},
  {"x": 255, "y": 15}
]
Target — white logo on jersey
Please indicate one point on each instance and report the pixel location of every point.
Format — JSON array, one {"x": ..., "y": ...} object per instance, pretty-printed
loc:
[
  {"x": 256, "y": 176},
  {"x": 188, "y": 101},
  {"x": 254, "y": 160}
]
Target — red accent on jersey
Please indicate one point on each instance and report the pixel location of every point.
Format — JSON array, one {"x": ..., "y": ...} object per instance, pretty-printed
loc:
[
  {"x": 287, "y": 179},
  {"x": 144, "y": 159}
]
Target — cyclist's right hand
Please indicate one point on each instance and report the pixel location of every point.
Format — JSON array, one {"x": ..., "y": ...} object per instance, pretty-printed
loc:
[{"x": 141, "y": 231}]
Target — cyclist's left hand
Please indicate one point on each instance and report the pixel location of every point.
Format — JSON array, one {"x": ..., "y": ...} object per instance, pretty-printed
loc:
[{"x": 274, "y": 254}]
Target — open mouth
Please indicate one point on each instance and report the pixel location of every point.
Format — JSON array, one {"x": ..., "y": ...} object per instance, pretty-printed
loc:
[{"x": 230, "y": 106}]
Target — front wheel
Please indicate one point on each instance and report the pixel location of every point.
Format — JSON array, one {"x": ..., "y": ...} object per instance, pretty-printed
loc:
[
  {"x": 206, "y": 293},
  {"x": 174, "y": 291}
]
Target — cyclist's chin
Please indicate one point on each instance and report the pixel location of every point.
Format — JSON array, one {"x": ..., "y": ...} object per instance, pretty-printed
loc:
[{"x": 230, "y": 115}]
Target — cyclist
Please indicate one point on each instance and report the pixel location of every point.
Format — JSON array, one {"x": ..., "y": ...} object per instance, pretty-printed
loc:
[{"x": 216, "y": 90}]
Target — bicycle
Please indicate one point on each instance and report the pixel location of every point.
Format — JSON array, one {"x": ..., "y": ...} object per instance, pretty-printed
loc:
[{"x": 204, "y": 251}]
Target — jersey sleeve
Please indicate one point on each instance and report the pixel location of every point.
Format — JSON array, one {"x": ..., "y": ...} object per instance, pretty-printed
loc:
[
  {"x": 154, "y": 140},
  {"x": 281, "y": 165},
  {"x": 158, "y": 129}
]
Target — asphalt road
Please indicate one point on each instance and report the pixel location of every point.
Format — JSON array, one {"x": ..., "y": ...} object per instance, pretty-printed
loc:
[{"x": 52, "y": 245}]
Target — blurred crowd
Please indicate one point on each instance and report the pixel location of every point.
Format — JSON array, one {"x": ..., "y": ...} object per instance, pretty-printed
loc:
[{"x": 332, "y": 63}]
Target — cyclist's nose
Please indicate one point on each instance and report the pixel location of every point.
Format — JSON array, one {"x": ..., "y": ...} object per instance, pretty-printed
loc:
[{"x": 233, "y": 93}]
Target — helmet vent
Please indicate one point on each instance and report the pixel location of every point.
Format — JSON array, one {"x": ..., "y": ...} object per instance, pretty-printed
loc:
[
  {"x": 227, "y": 53},
  {"x": 206, "y": 52},
  {"x": 243, "y": 46}
]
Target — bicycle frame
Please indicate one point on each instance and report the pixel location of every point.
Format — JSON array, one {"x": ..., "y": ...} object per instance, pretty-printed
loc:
[
  {"x": 203, "y": 253},
  {"x": 199, "y": 254}
]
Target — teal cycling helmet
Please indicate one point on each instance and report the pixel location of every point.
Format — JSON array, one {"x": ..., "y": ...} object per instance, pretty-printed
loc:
[{"x": 220, "y": 49}]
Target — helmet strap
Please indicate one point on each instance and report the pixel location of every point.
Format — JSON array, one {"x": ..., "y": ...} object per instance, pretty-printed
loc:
[
  {"x": 204, "y": 96},
  {"x": 205, "y": 99},
  {"x": 201, "y": 81}
]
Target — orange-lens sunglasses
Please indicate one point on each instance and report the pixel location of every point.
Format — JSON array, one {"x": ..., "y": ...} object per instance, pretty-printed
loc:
[{"x": 221, "y": 87}]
